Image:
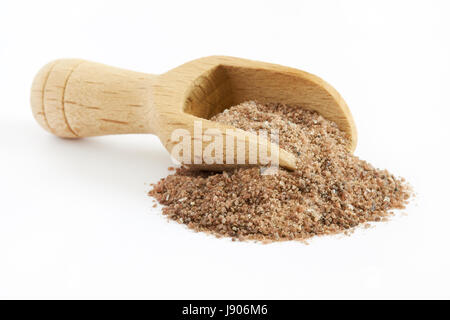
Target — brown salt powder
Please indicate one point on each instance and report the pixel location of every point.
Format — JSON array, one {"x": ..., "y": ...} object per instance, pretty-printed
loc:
[{"x": 331, "y": 191}]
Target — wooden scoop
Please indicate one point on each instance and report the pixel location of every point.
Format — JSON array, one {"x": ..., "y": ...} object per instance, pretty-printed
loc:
[{"x": 76, "y": 98}]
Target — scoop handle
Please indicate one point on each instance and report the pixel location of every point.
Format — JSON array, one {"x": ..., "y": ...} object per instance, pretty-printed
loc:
[{"x": 75, "y": 98}]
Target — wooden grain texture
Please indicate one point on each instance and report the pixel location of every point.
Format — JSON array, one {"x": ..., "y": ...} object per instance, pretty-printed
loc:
[{"x": 74, "y": 98}]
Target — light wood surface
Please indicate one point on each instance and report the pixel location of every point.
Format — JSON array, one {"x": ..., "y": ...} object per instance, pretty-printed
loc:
[{"x": 75, "y": 98}]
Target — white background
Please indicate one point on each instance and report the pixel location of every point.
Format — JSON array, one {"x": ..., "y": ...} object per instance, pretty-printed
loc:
[{"x": 75, "y": 220}]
